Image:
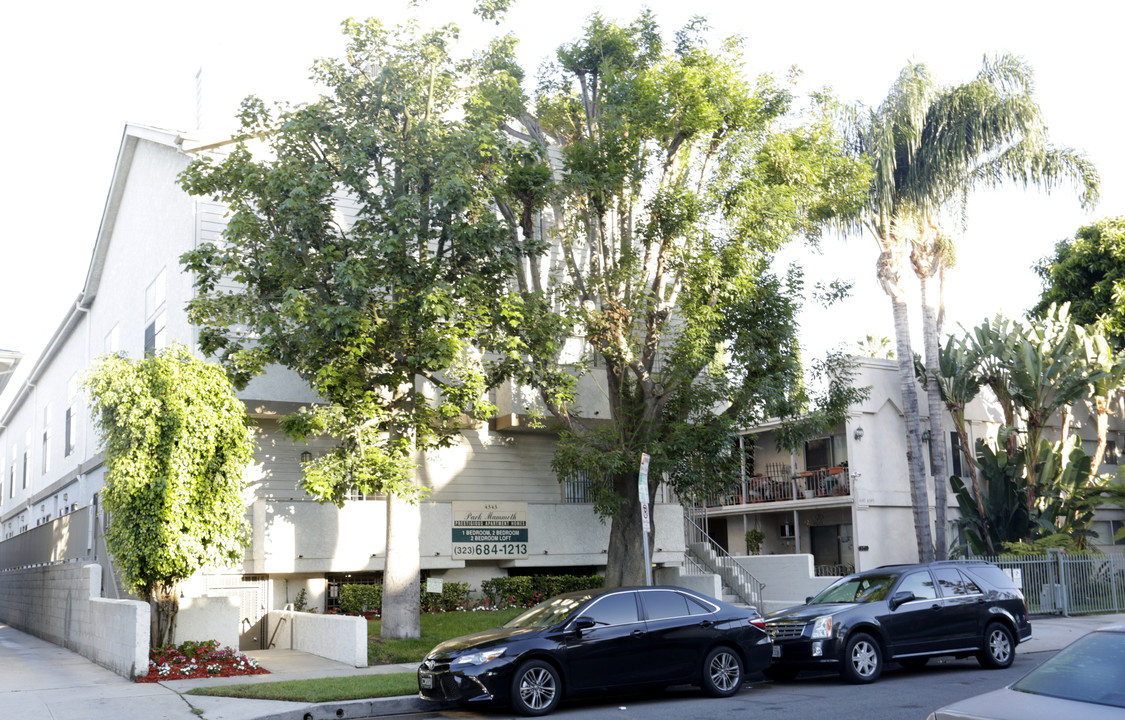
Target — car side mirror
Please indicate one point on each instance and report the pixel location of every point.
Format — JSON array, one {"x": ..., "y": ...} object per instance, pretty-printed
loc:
[
  {"x": 808, "y": 599},
  {"x": 584, "y": 623},
  {"x": 903, "y": 596}
]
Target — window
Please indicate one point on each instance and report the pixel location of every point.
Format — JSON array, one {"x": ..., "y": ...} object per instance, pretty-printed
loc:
[
  {"x": 616, "y": 609},
  {"x": 1106, "y": 530},
  {"x": 1111, "y": 455},
  {"x": 112, "y": 342},
  {"x": 919, "y": 583},
  {"x": 70, "y": 434},
  {"x": 156, "y": 335},
  {"x": 660, "y": 604},
  {"x": 26, "y": 456},
  {"x": 818, "y": 454},
  {"x": 954, "y": 583},
  {"x": 46, "y": 459},
  {"x": 960, "y": 462},
  {"x": 578, "y": 488}
]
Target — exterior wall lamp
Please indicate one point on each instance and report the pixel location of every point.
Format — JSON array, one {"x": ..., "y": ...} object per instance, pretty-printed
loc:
[
  {"x": 858, "y": 434},
  {"x": 306, "y": 456}
]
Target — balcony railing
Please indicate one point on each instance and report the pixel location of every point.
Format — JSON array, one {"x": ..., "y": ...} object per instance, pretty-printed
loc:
[{"x": 782, "y": 485}]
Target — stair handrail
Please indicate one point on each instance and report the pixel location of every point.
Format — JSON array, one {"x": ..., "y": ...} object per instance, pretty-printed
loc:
[{"x": 747, "y": 587}]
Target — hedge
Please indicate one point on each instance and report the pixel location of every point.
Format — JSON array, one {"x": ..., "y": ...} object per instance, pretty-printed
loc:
[
  {"x": 528, "y": 590},
  {"x": 358, "y": 599}
]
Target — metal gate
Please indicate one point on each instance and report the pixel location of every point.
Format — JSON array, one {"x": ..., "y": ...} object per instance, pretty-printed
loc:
[
  {"x": 252, "y": 592},
  {"x": 1062, "y": 584}
]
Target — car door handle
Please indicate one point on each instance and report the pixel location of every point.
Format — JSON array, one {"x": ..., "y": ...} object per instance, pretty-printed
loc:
[
  {"x": 638, "y": 633},
  {"x": 706, "y": 623},
  {"x": 936, "y": 606}
]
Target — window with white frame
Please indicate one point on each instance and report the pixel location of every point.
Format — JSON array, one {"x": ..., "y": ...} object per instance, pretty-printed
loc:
[
  {"x": 156, "y": 332},
  {"x": 46, "y": 447},
  {"x": 70, "y": 431},
  {"x": 26, "y": 456},
  {"x": 112, "y": 342},
  {"x": 1111, "y": 453}
]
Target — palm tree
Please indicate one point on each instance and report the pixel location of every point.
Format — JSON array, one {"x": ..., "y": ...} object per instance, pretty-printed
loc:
[{"x": 930, "y": 146}]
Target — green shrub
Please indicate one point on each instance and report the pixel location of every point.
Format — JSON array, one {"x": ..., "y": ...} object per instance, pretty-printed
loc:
[
  {"x": 454, "y": 596},
  {"x": 358, "y": 599},
  {"x": 528, "y": 590}
]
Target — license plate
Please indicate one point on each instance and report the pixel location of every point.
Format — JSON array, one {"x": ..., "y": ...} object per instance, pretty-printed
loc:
[
  {"x": 426, "y": 681},
  {"x": 777, "y": 651}
]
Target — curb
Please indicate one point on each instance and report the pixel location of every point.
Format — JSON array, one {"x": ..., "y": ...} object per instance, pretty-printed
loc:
[{"x": 357, "y": 709}]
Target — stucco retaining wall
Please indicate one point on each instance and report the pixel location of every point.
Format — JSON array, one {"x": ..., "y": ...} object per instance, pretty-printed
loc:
[
  {"x": 61, "y": 604},
  {"x": 342, "y": 638}
]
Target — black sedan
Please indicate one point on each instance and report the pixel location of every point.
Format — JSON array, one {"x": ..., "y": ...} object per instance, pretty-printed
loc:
[{"x": 595, "y": 641}]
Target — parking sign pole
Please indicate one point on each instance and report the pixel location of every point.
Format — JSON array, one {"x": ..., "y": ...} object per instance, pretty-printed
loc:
[{"x": 642, "y": 495}]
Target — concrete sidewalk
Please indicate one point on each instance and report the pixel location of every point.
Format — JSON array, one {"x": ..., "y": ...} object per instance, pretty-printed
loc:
[{"x": 41, "y": 680}]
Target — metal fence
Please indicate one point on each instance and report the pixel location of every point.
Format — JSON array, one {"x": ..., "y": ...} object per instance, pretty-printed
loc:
[{"x": 1061, "y": 584}]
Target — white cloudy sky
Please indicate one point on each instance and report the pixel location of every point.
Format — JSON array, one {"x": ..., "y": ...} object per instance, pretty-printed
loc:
[{"x": 73, "y": 73}]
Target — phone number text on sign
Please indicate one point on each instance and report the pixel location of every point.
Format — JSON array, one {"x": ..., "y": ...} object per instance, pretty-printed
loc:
[
  {"x": 490, "y": 542},
  {"x": 496, "y": 549}
]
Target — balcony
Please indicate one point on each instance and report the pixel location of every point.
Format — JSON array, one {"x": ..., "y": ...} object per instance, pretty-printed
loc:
[{"x": 779, "y": 484}]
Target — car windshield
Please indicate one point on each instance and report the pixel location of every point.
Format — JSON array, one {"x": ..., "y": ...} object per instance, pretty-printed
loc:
[
  {"x": 851, "y": 589},
  {"x": 547, "y": 613},
  {"x": 1091, "y": 669}
]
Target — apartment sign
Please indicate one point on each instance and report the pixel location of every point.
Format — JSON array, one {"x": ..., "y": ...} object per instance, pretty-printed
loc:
[{"x": 489, "y": 529}]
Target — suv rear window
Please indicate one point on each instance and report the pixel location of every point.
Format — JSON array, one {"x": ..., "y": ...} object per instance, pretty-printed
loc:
[{"x": 991, "y": 575}]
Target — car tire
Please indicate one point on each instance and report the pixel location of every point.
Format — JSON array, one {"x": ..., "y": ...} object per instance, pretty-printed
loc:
[
  {"x": 781, "y": 673},
  {"x": 863, "y": 659},
  {"x": 536, "y": 688},
  {"x": 722, "y": 673},
  {"x": 914, "y": 663},
  {"x": 999, "y": 648}
]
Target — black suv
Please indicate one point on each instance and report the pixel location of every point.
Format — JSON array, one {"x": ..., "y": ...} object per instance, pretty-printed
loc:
[{"x": 904, "y": 613}]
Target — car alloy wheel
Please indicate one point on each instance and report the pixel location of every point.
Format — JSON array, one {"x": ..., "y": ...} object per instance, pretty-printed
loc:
[
  {"x": 863, "y": 659},
  {"x": 998, "y": 651},
  {"x": 536, "y": 688},
  {"x": 722, "y": 673}
]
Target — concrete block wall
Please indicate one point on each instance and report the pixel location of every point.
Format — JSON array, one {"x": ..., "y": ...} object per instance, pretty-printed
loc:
[
  {"x": 788, "y": 579},
  {"x": 342, "y": 638},
  {"x": 208, "y": 618},
  {"x": 62, "y": 604}
]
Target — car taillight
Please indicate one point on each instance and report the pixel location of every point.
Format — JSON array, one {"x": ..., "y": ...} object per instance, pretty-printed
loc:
[{"x": 758, "y": 622}]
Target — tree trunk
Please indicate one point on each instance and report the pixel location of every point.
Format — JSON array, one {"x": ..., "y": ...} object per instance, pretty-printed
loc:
[
  {"x": 919, "y": 495},
  {"x": 165, "y": 600},
  {"x": 1102, "y": 409},
  {"x": 931, "y": 341},
  {"x": 625, "y": 556},
  {"x": 889, "y": 273},
  {"x": 401, "y": 613}
]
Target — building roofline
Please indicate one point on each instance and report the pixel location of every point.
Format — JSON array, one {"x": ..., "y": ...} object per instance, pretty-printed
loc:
[{"x": 131, "y": 136}]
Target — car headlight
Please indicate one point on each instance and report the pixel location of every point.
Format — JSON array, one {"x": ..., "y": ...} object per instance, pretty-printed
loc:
[
  {"x": 478, "y": 658},
  {"x": 822, "y": 627}
]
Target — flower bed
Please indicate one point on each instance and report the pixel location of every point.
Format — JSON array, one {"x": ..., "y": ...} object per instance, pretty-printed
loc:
[{"x": 198, "y": 660}]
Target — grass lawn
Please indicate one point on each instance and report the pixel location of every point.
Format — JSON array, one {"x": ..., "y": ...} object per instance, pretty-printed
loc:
[
  {"x": 435, "y": 629},
  {"x": 355, "y": 687}
]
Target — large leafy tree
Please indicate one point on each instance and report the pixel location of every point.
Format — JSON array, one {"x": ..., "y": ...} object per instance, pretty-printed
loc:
[
  {"x": 366, "y": 256},
  {"x": 1088, "y": 272},
  {"x": 176, "y": 445},
  {"x": 930, "y": 145},
  {"x": 673, "y": 180}
]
